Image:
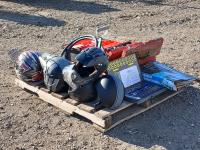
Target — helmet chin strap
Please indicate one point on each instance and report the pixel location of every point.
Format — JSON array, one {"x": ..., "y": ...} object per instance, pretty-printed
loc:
[{"x": 98, "y": 105}]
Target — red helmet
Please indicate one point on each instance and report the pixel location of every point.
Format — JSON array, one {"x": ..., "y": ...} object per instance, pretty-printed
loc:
[{"x": 28, "y": 66}]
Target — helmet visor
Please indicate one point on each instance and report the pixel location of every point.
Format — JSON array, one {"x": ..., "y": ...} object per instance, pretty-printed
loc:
[{"x": 84, "y": 58}]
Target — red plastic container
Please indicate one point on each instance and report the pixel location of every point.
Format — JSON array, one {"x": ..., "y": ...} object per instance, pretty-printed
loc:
[{"x": 145, "y": 51}]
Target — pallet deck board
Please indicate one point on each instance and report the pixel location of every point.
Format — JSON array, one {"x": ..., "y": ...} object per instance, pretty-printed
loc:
[
  {"x": 107, "y": 112},
  {"x": 89, "y": 107},
  {"x": 104, "y": 119},
  {"x": 72, "y": 102}
]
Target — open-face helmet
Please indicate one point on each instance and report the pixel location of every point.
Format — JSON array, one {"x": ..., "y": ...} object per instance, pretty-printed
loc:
[{"x": 110, "y": 91}]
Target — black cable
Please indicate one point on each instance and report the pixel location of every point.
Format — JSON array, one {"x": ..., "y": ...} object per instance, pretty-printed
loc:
[{"x": 66, "y": 52}]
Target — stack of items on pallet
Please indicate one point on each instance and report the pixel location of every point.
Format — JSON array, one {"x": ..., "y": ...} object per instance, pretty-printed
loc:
[
  {"x": 100, "y": 79},
  {"x": 91, "y": 68}
]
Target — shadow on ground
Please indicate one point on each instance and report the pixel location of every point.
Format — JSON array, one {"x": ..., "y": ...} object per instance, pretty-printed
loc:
[
  {"x": 68, "y": 5},
  {"x": 174, "y": 124},
  {"x": 148, "y": 2},
  {"x": 160, "y": 3},
  {"x": 27, "y": 19}
]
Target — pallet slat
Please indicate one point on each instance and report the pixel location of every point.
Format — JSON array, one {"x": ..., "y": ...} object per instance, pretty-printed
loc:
[
  {"x": 106, "y": 112},
  {"x": 47, "y": 97},
  {"x": 89, "y": 107},
  {"x": 72, "y": 102}
]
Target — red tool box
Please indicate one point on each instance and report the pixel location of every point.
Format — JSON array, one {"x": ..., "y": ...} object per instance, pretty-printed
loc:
[{"x": 145, "y": 51}]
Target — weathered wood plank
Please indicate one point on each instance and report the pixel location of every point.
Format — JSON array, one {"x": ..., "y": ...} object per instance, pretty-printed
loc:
[
  {"x": 89, "y": 107},
  {"x": 47, "y": 97},
  {"x": 106, "y": 112},
  {"x": 72, "y": 101}
]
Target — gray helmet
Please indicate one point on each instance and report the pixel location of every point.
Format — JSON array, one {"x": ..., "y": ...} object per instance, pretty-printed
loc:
[{"x": 52, "y": 68}]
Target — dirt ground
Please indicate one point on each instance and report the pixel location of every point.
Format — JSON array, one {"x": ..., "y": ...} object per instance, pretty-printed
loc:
[{"x": 29, "y": 123}]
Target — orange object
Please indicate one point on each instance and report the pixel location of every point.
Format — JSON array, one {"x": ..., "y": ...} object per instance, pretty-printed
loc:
[{"x": 145, "y": 51}]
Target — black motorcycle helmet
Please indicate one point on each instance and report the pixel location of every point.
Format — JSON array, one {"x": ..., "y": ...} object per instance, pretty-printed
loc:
[
  {"x": 84, "y": 93},
  {"x": 110, "y": 92},
  {"x": 52, "y": 68},
  {"x": 93, "y": 60}
]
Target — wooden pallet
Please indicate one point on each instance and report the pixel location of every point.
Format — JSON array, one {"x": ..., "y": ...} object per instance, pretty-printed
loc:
[{"x": 103, "y": 119}]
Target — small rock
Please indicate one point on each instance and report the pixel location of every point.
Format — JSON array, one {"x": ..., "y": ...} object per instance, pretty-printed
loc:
[
  {"x": 4, "y": 85},
  {"x": 106, "y": 137},
  {"x": 47, "y": 132},
  {"x": 8, "y": 125},
  {"x": 70, "y": 139},
  {"x": 85, "y": 143},
  {"x": 56, "y": 114},
  {"x": 10, "y": 67},
  {"x": 58, "y": 133},
  {"x": 4, "y": 28},
  {"x": 40, "y": 36},
  {"x": 25, "y": 115},
  {"x": 151, "y": 14},
  {"x": 70, "y": 124},
  {"x": 138, "y": 17},
  {"x": 17, "y": 148},
  {"x": 80, "y": 28}
]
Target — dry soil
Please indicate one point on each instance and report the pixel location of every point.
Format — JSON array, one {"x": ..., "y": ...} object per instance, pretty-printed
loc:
[{"x": 29, "y": 123}]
